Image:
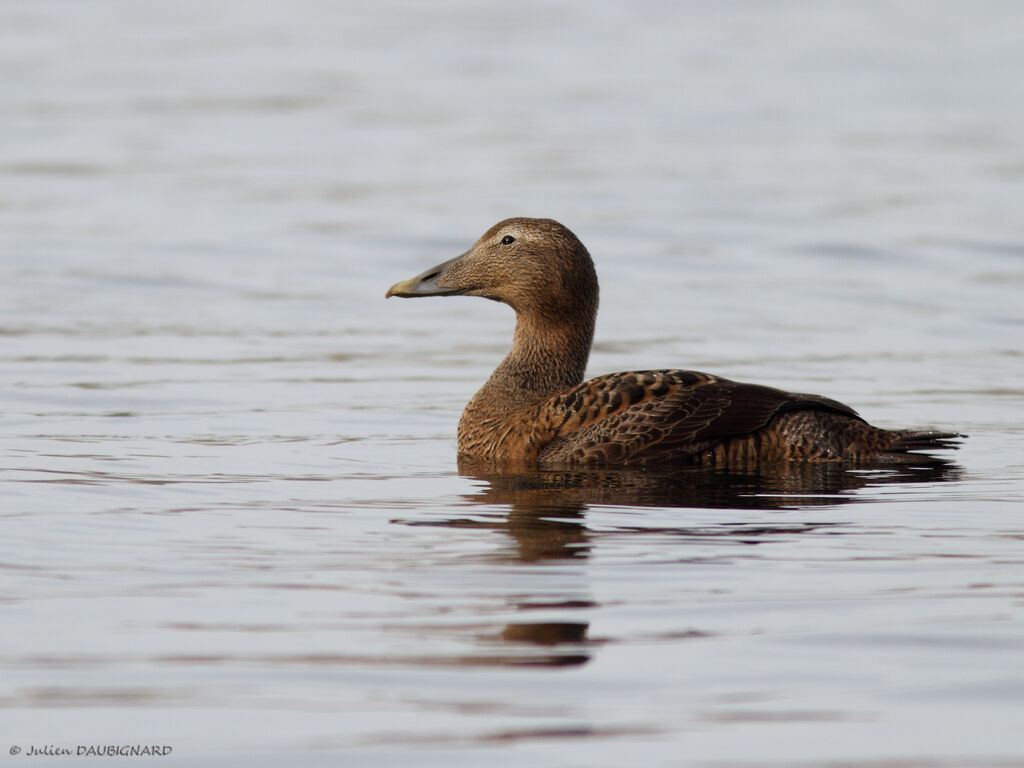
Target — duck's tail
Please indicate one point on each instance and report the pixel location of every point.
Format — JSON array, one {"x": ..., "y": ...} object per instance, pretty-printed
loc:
[{"x": 913, "y": 440}]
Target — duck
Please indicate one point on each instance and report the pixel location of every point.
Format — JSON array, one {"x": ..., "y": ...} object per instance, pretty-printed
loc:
[{"x": 536, "y": 409}]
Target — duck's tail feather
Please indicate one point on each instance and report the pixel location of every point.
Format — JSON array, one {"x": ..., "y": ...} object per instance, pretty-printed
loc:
[{"x": 925, "y": 440}]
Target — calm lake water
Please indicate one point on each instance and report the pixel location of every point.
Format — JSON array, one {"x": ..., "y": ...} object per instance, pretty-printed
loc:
[{"x": 232, "y": 518}]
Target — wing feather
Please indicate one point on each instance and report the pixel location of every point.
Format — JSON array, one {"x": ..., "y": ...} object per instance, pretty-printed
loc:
[{"x": 642, "y": 416}]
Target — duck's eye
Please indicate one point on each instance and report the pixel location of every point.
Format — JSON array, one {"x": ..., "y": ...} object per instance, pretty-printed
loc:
[{"x": 507, "y": 240}]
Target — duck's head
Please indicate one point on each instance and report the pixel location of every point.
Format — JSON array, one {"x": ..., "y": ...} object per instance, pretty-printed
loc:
[{"x": 536, "y": 266}]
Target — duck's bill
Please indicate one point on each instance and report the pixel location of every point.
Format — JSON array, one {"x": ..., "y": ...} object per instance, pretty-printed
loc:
[{"x": 425, "y": 284}]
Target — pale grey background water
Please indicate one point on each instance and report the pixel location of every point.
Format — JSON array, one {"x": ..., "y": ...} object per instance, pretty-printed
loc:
[{"x": 232, "y": 520}]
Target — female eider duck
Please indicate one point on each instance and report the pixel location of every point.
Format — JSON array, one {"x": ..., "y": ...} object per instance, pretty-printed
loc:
[{"x": 536, "y": 409}]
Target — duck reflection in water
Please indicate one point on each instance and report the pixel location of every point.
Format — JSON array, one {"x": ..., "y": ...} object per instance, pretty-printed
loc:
[
  {"x": 544, "y": 514},
  {"x": 779, "y": 486},
  {"x": 546, "y": 508}
]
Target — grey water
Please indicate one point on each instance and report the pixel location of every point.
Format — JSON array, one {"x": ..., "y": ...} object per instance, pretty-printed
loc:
[{"x": 231, "y": 516}]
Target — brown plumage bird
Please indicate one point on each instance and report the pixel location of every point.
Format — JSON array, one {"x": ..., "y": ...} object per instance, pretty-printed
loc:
[{"x": 536, "y": 408}]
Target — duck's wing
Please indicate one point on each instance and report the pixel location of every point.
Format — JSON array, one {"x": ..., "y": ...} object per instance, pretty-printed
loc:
[{"x": 651, "y": 416}]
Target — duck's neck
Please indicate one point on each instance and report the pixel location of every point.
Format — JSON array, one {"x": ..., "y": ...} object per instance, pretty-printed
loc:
[{"x": 547, "y": 357}]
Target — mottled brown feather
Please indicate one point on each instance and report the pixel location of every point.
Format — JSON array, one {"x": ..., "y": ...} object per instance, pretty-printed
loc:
[{"x": 669, "y": 416}]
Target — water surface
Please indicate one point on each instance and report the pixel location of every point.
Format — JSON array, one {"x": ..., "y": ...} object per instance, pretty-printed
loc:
[{"x": 233, "y": 518}]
